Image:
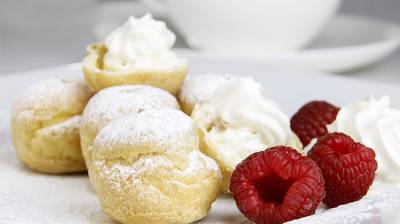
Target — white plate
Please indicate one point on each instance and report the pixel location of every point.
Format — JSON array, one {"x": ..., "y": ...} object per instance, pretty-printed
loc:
[
  {"x": 347, "y": 43},
  {"x": 29, "y": 197}
]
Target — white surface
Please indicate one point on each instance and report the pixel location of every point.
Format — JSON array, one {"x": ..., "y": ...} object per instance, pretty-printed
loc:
[
  {"x": 263, "y": 25},
  {"x": 28, "y": 197},
  {"x": 347, "y": 43}
]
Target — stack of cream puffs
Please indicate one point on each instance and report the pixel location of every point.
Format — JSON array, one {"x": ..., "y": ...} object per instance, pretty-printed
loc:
[{"x": 148, "y": 161}]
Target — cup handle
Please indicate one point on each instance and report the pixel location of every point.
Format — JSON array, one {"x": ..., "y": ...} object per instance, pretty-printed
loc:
[{"x": 157, "y": 6}]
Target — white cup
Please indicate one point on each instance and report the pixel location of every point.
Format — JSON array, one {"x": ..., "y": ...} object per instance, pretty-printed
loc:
[{"x": 247, "y": 26}]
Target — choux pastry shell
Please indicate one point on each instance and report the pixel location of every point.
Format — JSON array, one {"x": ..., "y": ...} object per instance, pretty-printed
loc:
[
  {"x": 45, "y": 125},
  {"x": 147, "y": 169}
]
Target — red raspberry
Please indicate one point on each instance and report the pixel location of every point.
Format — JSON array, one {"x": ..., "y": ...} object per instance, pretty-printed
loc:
[
  {"x": 277, "y": 185},
  {"x": 348, "y": 168},
  {"x": 311, "y": 120}
]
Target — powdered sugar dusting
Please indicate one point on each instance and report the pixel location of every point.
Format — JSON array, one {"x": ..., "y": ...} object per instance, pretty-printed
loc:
[
  {"x": 117, "y": 101},
  {"x": 158, "y": 127},
  {"x": 52, "y": 94},
  {"x": 376, "y": 206},
  {"x": 198, "y": 161},
  {"x": 209, "y": 163},
  {"x": 199, "y": 88},
  {"x": 70, "y": 125},
  {"x": 167, "y": 130},
  {"x": 119, "y": 173}
]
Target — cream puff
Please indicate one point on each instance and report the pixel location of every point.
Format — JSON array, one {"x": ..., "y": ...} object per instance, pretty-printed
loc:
[
  {"x": 239, "y": 120},
  {"x": 138, "y": 52},
  {"x": 147, "y": 168},
  {"x": 115, "y": 102},
  {"x": 45, "y": 125},
  {"x": 199, "y": 88}
]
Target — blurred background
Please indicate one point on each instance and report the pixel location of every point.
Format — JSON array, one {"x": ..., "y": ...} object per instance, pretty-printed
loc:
[{"x": 41, "y": 33}]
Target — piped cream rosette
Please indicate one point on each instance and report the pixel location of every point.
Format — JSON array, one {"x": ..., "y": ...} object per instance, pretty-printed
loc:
[
  {"x": 237, "y": 121},
  {"x": 138, "y": 52},
  {"x": 199, "y": 89}
]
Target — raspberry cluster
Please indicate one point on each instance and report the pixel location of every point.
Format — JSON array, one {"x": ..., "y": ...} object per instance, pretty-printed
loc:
[{"x": 279, "y": 184}]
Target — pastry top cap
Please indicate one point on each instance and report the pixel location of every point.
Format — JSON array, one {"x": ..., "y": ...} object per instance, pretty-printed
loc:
[
  {"x": 59, "y": 94},
  {"x": 117, "y": 101},
  {"x": 156, "y": 131}
]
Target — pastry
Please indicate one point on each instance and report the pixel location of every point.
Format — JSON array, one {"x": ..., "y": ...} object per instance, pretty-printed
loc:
[
  {"x": 199, "y": 88},
  {"x": 376, "y": 125},
  {"x": 115, "y": 102},
  {"x": 138, "y": 52},
  {"x": 237, "y": 121},
  {"x": 45, "y": 125},
  {"x": 147, "y": 168}
]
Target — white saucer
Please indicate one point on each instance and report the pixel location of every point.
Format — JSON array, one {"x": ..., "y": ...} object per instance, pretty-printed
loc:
[
  {"x": 29, "y": 197},
  {"x": 347, "y": 43}
]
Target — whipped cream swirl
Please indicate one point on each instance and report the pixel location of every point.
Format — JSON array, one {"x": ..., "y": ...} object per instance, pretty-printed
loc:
[
  {"x": 375, "y": 124},
  {"x": 139, "y": 43},
  {"x": 242, "y": 121}
]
